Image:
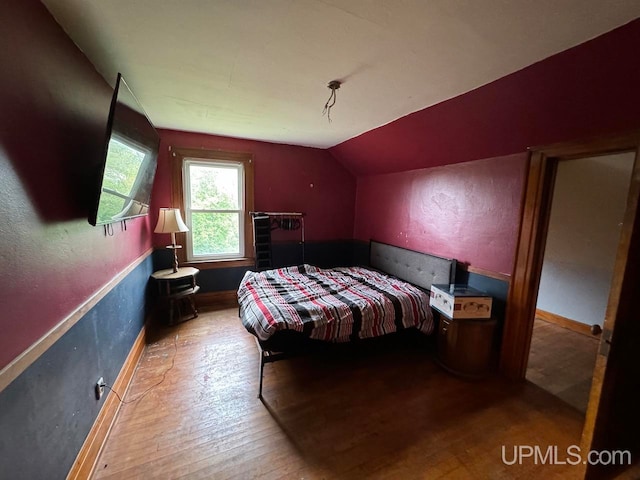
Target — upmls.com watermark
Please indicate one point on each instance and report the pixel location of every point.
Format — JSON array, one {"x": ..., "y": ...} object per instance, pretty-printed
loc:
[{"x": 552, "y": 455}]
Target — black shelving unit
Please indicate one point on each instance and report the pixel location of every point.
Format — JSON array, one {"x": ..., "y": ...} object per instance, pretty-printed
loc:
[
  {"x": 262, "y": 241},
  {"x": 263, "y": 224}
]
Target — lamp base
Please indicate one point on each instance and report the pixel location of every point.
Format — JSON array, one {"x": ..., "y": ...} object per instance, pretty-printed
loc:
[{"x": 175, "y": 256}]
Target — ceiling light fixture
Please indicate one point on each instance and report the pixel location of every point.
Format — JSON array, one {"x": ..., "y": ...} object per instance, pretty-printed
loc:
[{"x": 333, "y": 86}]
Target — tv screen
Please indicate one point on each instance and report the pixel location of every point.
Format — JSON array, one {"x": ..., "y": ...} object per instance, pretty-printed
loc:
[{"x": 130, "y": 159}]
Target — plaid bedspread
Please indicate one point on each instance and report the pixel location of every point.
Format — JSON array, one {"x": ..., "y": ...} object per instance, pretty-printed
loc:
[{"x": 338, "y": 304}]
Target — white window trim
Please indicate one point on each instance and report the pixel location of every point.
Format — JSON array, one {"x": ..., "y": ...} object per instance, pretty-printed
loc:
[{"x": 236, "y": 165}]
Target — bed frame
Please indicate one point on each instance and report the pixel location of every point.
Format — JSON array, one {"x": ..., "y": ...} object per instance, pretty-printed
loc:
[{"x": 419, "y": 269}]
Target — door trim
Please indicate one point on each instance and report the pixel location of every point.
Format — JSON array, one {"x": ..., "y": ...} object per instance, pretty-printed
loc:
[{"x": 518, "y": 326}]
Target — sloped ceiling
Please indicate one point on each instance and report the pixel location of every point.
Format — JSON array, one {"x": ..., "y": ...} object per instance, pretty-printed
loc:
[
  {"x": 586, "y": 91},
  {"x": 259, "y": 69}
]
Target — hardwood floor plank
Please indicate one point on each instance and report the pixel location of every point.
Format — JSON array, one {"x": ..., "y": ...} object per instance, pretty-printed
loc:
[{"x": 379, "y": 410}]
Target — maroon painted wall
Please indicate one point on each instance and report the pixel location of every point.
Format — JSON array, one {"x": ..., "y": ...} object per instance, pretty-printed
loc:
[
  {"x": 468, "y": 211},
  {"x": 283, "y": 178},
  {"x": 53, "y": 114},
  {"x": 53, "y": 109},
  {"x": 472, "y": 212},
  {"x": 587, "y": 90}
]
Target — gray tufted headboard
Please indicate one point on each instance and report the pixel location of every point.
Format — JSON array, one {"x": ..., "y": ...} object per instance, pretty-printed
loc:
[{"x": 420, "y": 269}]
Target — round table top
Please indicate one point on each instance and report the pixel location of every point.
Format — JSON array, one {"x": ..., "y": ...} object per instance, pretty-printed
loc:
[{"x": 169, "y": 274}]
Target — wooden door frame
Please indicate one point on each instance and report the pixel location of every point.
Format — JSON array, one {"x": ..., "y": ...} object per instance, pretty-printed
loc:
[{"x": 525, "y": 279}]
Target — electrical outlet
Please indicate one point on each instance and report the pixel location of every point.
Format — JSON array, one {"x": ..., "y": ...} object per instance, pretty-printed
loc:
[{"x": 100, "y": 388}]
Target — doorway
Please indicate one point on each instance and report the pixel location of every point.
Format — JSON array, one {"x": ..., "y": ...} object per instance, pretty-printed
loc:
[
  {"x": 612, "y": 411},
  {"x": 588, "y": 204}
]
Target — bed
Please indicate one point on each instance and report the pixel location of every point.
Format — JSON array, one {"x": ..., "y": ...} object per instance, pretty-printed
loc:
[{"x": 288, "y": 307}]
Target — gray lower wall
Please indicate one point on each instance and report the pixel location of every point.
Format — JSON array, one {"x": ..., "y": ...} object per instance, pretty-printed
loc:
[
  {"x": 322, "y": 254},
  {"x": 47, "y": 412},
  {"x": 499, "y": 292}
]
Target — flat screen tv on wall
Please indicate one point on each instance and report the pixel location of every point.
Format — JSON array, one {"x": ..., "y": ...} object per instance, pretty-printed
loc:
[{"x": 131, "y": 152}]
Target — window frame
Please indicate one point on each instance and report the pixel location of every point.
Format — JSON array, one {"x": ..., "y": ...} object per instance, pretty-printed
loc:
[
  {"x": 189, "y": 210},
  {"x": 178, "y": 157}
]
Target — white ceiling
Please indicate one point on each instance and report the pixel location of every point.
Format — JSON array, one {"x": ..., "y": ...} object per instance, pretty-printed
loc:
[{"x": 259, "y": 69}]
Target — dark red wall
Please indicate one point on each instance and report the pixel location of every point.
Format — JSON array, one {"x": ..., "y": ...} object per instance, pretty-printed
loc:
[
  {"x": 471, "y": 211},
  {"x": 468, "y": 211},
  {"x": 53, "y": 114},
  {"x": 53, "y": 110},
  {"x": 283, "y": 178},
  {"x": 587, "y": 90}
]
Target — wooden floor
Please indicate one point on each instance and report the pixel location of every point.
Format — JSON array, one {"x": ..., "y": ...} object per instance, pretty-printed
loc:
[
  {"x": 381, "y": 412},
  {"x": 561, "y": 361}
]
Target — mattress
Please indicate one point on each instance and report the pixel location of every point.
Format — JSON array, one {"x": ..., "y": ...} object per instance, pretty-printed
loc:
[{"x": 335, "y": 305}]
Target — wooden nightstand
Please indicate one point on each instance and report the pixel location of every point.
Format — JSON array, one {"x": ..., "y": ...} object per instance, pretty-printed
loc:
[
  {"x": 465, "y": 345},
  {"x": 176, "y": 292},
  {"x": 466, "y": 329}
]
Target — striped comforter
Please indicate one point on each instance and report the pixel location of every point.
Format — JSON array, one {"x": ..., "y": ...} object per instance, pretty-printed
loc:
[{"x": 338, "y": 304}]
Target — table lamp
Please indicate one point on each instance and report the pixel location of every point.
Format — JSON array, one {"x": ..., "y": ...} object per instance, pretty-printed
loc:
[{"x": 170, "y": 221}]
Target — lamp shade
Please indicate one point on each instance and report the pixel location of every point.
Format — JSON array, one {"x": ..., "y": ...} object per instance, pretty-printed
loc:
[{"x": 170, "y": 221}]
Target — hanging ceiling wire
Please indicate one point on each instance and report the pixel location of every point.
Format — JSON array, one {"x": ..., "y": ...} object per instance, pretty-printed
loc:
[{"x": 333, "y": 86}]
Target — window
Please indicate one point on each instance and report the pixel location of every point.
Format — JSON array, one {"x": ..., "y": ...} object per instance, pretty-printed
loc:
[
  {"x": 214, "y": 209},
  {"x": 214, "y": 189}
]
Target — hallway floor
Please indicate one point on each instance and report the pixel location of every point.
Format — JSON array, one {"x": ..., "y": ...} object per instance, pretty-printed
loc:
[{"x": 561, "y": 362}]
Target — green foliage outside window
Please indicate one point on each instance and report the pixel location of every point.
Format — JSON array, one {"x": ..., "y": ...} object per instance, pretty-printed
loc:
[
  {"x": 215, "y": 233},
  {"x": 214, "y": 188}
]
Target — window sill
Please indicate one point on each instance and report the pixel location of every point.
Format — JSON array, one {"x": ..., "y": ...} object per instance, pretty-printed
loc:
[{"x": 213, "y": 264}]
